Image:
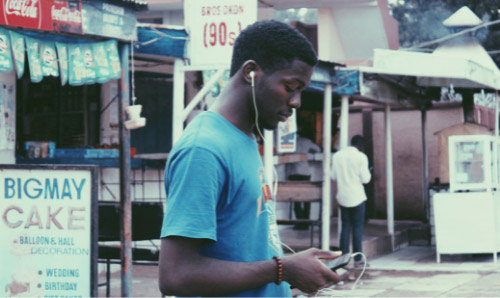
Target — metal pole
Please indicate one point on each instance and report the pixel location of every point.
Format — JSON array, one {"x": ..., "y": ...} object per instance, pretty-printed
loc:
[
  {"x": 125, "y": 202},
  {"x": 344, "y": 121},
  {"x": 389, "y": 182},
  {"x": 425, "y": 165},
  {"x": 495, "y": 144},
  {"x": 344, "y": 136},
  {"x": 178, "y": 105},
  {"x": 327, "y": 149}
]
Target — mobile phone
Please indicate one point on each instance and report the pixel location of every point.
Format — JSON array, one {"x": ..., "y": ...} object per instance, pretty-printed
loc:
[{"x": 338, "y": 262}]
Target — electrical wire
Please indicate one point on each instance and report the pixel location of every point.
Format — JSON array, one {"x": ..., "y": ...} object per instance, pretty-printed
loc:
[
  {"x": 275, "y": 173},
  {"x": 450, "y": 36},
  {"x": 330, "y": 291}
]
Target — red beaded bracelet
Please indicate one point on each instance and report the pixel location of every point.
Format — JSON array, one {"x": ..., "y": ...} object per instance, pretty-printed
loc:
[{"x": 279, "y": 270}]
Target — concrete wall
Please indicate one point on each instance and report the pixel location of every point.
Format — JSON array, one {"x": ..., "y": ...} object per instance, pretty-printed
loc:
[{"x": 407, "y": 156}]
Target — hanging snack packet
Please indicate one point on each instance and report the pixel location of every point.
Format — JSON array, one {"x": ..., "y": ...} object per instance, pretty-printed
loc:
[
  {"x": 77, "y": 70},
  {"x": 114, "y": 59},
  {"x": 49, "y": 59},
  {"x": 88, "y": 58},
  {"x": 62, "y": 54},
  {"x": 103, "y": 68},
  {"x": 19, "y": 53},
  {"x": 34, "y": 62},
  {"x": 5, "y": 57}
]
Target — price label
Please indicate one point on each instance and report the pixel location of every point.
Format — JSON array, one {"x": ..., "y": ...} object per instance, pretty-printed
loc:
[
  {"x": 218, "y": 34},
  {"x": 213, "y": 27}
]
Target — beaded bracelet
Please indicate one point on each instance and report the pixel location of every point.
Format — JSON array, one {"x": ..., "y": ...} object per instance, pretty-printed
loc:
[{"x": 279, "y": 270}]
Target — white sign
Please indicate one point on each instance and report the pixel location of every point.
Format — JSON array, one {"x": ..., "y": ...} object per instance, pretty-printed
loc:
[
  {"x": 213, "y": 26},
  {"x": 45, "y": 232},
  {"x": 287, "y": 134}
]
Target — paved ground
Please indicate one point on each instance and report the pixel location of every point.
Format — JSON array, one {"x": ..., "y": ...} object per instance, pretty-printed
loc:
[
  {"x": 410, "y": 272},
  {"x": 413, "y": 272}
]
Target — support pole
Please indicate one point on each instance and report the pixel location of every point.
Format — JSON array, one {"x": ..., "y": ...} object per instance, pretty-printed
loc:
[
  {"x": 425, "y": 166},
  {"x": 495, "y": 177},
  {"x": 344, "y": 136},
  {"x": 178, "y": 105},
  {"x": 125, "y": 202},
  {"x": 344, "y": 121},
  {"x": 327, "y": 149},
  {"x": 495, "y": 144},
  {"x": 389, "y": 174}
]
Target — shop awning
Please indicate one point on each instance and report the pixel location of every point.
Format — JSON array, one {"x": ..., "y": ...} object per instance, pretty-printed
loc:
[{"x": 161, "y": 40}]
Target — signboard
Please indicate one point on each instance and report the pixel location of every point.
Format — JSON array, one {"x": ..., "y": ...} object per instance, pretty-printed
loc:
[
  {"x": 104, "y": 19},
  {"x": 48, "y": 234},
  {"x": 213, "y": 26},
  {"x": 51, "y": 15},
  {"x": 73, "y": 16},
  {"x": 287, "y": 134}
]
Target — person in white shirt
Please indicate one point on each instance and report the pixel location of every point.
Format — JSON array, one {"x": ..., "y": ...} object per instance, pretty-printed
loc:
[{"x": 350, "y": 169}]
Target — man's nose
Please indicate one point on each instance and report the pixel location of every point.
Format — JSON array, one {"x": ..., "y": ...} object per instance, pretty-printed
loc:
[{"x": 295, "y": 101}]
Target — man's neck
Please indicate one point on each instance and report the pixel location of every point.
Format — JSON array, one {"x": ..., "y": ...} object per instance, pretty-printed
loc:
[{"x": 232, "y": 104}]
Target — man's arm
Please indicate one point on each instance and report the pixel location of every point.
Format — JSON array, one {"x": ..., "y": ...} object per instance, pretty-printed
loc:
[
  {"x": 365, "y": 171},
  {"x": 333, "y": 173},
  {"x": 184, "y": 272}
]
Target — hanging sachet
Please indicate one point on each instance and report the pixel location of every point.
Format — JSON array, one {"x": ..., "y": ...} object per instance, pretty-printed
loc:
[
  {"x": 49, "y": 59},
  {"x": 62, "y": 54},
  {"x": 77, "y": 70},
  {"x": 102, "y": 66},
  {"x": 34, "y": 62},
  {"x": 88, "y": 58},
  {"x": 5, "y": 57},
  {"x": 18, "y": 49},
  {"x": 114, "y": 59}
]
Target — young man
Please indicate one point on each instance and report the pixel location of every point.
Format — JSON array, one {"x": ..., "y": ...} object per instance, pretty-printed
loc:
[
  {"x": 350, "y": 169},
  {"x": 219, "y": 234}
]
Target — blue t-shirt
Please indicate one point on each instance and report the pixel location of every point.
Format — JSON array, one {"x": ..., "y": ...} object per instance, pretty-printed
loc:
[{"x": 216, "y": 189}]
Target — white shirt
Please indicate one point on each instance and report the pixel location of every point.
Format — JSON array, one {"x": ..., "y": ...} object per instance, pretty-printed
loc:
[
  {"x": 314, "y": 169},
  {"x": 350, "y": 169}
]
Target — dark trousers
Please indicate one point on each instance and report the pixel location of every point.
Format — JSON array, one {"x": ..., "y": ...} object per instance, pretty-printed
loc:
[
  {"x": 352, "y": 219},
  {"x": 302, "y": 210}
]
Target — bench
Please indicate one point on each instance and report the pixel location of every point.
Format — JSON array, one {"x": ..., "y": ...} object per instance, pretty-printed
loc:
[{"x": 300, "y": 191}]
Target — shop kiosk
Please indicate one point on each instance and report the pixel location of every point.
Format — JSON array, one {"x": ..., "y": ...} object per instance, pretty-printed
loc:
[{"x": 467, "y": 217}]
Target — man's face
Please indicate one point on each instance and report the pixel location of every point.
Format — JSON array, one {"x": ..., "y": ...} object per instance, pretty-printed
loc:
[{"x": 279, "y": 92}]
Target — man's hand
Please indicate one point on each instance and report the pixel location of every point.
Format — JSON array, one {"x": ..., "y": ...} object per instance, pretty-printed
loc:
[{"x": 305, "y": 270}]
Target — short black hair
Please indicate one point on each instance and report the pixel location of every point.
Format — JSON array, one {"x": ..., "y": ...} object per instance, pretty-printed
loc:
[
  {"x": 357, "y": 141},
  {"x": 272, "y": 45}
]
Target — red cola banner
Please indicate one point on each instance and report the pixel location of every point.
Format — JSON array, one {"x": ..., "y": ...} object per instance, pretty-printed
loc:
[
  {"x": 72, "y": 16},
  {"x": 51, "y": 15}
]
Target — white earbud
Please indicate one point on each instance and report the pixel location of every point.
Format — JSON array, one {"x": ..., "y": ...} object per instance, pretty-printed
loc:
[{"x": 252, "y": 75}]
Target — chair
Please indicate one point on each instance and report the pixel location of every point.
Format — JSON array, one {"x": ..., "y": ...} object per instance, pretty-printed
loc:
[{"x": 147, "y": 219}]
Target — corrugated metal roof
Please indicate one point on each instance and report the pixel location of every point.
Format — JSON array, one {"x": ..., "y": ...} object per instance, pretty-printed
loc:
[{"x": 135, "y": 4}]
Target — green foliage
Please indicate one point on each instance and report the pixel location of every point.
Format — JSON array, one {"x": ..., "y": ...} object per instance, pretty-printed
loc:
[{"x": 421, "y": 20}]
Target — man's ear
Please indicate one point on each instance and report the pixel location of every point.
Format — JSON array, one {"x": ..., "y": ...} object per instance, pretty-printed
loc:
[{"x": 250, "y": 72}]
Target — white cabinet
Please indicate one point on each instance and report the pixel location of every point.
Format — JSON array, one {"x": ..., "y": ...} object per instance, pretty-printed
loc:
[
  {"x": 467, "y": 222},
  {"x": 466, "y": 219}
]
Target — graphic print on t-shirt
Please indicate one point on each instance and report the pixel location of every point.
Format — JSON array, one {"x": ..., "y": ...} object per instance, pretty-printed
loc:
[{"x": 266, "y": 205}]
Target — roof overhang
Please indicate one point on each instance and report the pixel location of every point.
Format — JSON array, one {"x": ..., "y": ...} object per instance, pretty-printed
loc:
[{"x": 433, "y": 70}]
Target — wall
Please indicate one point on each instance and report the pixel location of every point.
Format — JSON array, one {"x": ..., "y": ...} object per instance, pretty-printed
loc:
[
  {"x": 407, "y": 156},
  {"x": 109, "y": 117},
  {"x": 7, "y": 117}
]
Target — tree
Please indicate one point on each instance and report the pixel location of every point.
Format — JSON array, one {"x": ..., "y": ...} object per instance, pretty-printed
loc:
[{"x": 421, "y": 20}]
